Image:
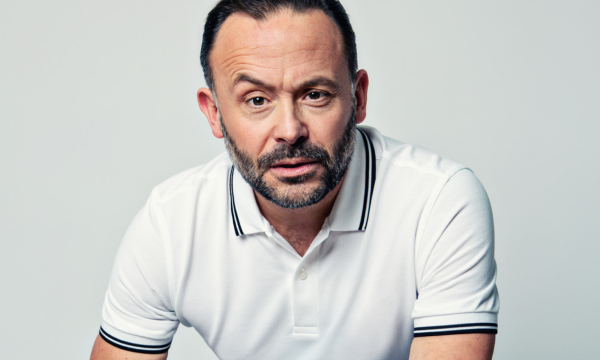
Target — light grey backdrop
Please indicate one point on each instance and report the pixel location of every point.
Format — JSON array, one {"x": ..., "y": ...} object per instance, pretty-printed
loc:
[{"x": 97, "y": 105}]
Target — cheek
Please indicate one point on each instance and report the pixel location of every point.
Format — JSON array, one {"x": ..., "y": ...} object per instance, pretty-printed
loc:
[
  {"x": 328, "y": 128},
  {"x": 253, "y": 140},
  {"x": 249, "y": 136}
]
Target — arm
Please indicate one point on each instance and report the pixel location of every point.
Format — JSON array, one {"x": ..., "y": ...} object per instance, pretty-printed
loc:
[
  {"x": 455, "y": 314},
  {"x": 450, "y": 347},
  {"x": 138, "y": 320},
  {"x": 105, "y": 351}
]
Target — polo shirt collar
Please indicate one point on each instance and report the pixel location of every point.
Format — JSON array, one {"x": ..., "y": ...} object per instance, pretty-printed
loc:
[
  {"x": 352, "y": 206},
  {"x": 350, "y": 211}
]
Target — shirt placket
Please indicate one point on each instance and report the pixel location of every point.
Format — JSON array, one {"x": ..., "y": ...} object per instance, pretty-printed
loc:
[
  {"x": 303, "y": 281},
  {"x": 305, "y": 301}
]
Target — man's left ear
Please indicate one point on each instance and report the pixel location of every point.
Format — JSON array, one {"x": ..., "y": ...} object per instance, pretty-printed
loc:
[{"x": 360, "y": 93}]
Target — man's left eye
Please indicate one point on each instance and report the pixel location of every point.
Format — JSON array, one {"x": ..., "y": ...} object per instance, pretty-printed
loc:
[
  {"x": 315, "y": 95},
  {"x": 258, "y": 101}
]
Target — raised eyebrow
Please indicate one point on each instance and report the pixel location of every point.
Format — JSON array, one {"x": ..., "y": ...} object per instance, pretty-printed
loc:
[
  {"x": 239, "y": 78},
  {"x": 320, "y": 81}
]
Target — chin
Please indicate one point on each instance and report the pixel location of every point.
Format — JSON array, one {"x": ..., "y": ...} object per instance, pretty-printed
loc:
[{"x": 296, "y": 196}]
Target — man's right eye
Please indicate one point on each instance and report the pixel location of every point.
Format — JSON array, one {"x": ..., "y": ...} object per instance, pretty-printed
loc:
[{"x": 257, "y": 101}]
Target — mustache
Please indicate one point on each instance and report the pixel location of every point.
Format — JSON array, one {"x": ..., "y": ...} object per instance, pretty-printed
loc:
[{"x": 283, "y": 151}]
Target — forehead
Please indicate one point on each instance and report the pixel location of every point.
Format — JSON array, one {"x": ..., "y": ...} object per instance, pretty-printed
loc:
[{"x": 284, "y": 43}]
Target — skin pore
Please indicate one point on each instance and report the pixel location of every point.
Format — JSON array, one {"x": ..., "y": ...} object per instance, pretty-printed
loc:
[{"x": 283, "y": 85}]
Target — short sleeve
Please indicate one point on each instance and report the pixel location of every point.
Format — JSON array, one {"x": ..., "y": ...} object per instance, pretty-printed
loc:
[
  {"x": 454, "y": 263},
  {"x": 137, "y": 314}
]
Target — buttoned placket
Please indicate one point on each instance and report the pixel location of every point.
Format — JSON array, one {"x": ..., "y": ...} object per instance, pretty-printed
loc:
[{"x": 303, "y": 280}]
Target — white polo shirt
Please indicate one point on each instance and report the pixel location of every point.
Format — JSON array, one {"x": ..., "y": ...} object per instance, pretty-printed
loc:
[{"x": 408, "y": 250}]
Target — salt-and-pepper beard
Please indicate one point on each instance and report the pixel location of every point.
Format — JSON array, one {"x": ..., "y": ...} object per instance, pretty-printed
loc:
[{"x": 334, "y": 167}]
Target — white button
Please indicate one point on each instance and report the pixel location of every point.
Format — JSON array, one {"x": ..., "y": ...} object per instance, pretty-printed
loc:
[{"x": 303, "y": 274}]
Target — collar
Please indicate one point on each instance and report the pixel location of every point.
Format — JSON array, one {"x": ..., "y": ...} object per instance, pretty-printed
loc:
[{"x": 352, "y": 206}]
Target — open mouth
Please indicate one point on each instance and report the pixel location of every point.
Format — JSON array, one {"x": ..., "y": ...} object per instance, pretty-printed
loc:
[{"x": 294, "y": 167}]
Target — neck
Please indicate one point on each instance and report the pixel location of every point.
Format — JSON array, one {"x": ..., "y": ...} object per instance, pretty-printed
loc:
[{"x": 298, "y": 226}]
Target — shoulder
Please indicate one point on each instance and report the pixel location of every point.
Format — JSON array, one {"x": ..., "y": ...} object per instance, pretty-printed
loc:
[
  {"x": 406, "y": 171},
  {"x": 203, "y": 178},
  {"x": 417, "y": 181},
  {"x": 405, "y": 157}
]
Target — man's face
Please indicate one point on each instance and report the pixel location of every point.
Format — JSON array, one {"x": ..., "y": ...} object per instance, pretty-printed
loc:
[
  {"x": 286, "y": 104},
  {"x": 296, "y": 194}
]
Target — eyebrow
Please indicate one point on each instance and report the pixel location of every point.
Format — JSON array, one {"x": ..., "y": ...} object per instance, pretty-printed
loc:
[
  {"x": 319, "y": 80},
  {"x": 239, "y": 78}
]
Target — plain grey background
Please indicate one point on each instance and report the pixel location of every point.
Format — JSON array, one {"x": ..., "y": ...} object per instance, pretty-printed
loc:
[{"x": 97, "y": 105}]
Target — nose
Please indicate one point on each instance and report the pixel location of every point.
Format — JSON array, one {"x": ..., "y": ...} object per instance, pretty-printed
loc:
[{"x": 289, "y": 128}]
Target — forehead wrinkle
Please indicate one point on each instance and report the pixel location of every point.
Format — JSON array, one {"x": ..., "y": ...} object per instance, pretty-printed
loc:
[
  {"x": 241, "y": 62},
  {"x": 279, "y": 45},
  {"x": 283, "y": 53},
  {"x": 235, "y": 61},
  {"x": 294, "y": 52},
  {"x": 247, "y": 52}
]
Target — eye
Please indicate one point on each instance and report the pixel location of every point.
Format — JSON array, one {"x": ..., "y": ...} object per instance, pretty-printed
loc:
[
  {"x": 258, "y": 101},
  {"x": 315, "y": 95}
]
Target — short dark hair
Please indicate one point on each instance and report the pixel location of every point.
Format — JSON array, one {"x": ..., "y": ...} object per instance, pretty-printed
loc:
[{"x": 260, "y": 9}]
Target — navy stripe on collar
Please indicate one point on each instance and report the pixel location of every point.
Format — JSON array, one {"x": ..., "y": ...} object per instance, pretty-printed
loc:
[
  {"x": 370, "y": 171},
  {"x": 234, "y": 216}
]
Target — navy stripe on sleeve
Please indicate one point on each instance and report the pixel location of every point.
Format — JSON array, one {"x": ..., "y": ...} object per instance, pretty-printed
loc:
[
  {"x": 129, "y": 346},
  {"x": 471, "y": 328}
]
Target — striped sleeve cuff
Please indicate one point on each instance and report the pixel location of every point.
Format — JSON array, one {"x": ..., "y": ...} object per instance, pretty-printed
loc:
[
  {"x": 138, "y": 348},
  {"x": 469, "y": 328}
]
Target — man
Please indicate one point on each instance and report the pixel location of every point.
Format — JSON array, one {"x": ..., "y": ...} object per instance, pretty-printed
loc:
[{"x": 311, "y": 238}]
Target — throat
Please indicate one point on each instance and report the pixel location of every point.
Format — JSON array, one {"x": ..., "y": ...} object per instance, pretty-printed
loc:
[
  {"x": 299, "y": 227},
  {"x": 299, "y": 240}
]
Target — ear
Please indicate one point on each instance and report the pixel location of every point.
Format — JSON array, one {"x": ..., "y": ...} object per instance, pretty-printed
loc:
[
  {"x": 360, "y": 93},
  {"x": 208, "y": 105}
]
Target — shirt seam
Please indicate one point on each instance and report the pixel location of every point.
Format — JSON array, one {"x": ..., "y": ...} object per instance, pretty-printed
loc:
[
  {"x": 418, "y": 240},
  {"x": 386, "y": 155},
  {"x": 167, "y": 245}
]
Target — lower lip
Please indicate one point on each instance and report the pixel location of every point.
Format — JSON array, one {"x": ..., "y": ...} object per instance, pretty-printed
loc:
[{"x": 294, "y": 171}]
